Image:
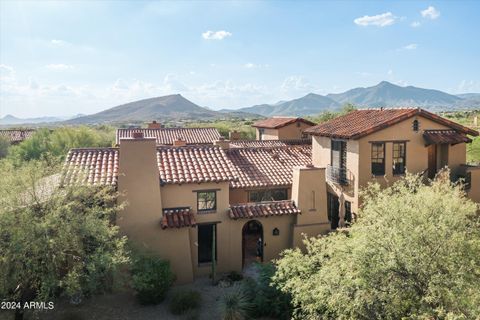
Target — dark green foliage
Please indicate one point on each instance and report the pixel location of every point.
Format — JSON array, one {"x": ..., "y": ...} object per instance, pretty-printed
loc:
[
  {"x": 225, "y": 126},
  {"x": 235, "y": 305},
  {"x": 184, "y": 300},
  {"x": 4, "y": 146},
  {"x": 152, "y": 278},
  {"x": 267, "y": 300},
  {"x": 234, "y": 276}
]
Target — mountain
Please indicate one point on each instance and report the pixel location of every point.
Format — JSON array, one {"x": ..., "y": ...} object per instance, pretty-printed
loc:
[
  {"x": 171, "y": 107},
  {"x": 310, "y": 104},
  {"x": 11, "y": 120},
  {"x": 472, "y": 96},
  {"x": 386, "y": 94}
]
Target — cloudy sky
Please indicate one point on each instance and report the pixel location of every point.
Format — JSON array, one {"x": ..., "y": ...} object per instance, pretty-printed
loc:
[{"x": 64, "y": 58}]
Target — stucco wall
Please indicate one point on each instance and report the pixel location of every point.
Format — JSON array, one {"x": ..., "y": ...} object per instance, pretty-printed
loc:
[
  {"x": 268, "y": 134},
  {"x": 291, "y": 131},
  {"x": 474, "y": 192}
]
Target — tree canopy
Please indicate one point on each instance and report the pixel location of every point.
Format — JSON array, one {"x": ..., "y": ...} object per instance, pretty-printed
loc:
[
  {"x": 413, "y": 254},
  {"x": 54, "y": 241}
]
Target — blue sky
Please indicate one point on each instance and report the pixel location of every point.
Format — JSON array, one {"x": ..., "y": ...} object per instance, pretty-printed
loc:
[{"x": 65, "y": 58}]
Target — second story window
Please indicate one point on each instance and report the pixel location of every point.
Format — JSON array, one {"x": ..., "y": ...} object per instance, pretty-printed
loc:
[
  {"x": 399, "y": 157},
  {"x": 415, "y": 125},
  {"x": 206, "y": 201},
  {"x": 378, "y": 158}
]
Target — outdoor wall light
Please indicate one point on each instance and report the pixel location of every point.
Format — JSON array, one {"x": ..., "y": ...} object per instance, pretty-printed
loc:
[{"x": 276, "y": 232}]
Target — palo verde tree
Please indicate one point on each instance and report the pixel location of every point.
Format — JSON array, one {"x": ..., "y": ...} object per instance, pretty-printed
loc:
[
  {"x": 413, "y": 254},
  {"x": 55, "y": 241}
]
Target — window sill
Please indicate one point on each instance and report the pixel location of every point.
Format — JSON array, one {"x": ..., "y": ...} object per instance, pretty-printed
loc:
[
  {"x": 206, "y": 211},
  {"x": 399, "y": 174},
  {"x": 378, "y": 175},
  {"x": 205, "y": 264}
]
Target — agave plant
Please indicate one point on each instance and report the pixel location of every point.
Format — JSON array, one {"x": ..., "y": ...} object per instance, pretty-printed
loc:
[{"x": 235, "y": 305}]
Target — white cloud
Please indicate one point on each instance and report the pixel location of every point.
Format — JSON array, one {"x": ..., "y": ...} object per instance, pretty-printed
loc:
[
  {"x": 379, "y": 20},
  {"x": 411, "y": 46},
  {"x": 468, "y": 86},
  {"x": 415, "y": 24},
  {"x": 430, "y": 13},
  {"x": 298, "y": 84},
  {"x": 254, "y": 66},
  {"x": 58, "y": 42},
  {"x": 390, "y": 72},
  {"x": 216, "y": 35},
  {"x": 249, "y": 65},
  {"x": 59, "y": 67}
]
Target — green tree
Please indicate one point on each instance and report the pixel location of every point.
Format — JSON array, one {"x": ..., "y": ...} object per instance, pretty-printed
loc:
[
  {"x": 413, "y": 254},
  {"x": 53, "y": 145},
  {"x": 4, "y": 145},
  {"x": 55, "y": 241}
]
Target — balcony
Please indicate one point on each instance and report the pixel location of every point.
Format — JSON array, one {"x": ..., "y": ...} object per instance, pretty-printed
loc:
[{"x": 338, "y": 175}]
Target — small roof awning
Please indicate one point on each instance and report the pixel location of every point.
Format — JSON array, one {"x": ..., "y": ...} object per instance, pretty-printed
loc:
[
  {"x": 444, "y": 137},
  {"x": 177, "y": 218}
]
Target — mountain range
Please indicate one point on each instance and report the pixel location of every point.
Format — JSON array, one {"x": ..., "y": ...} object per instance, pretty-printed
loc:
[
  {"x": 384, "y": 94},
  {"x": 177, "y": 108}
]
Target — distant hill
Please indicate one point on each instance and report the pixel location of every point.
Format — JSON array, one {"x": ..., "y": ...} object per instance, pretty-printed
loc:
[
  {"x": 310, "y": 104},
  {"x": 384, "y": 94},
  {"x": 11, "y": 120},
  {"x": 171, "y": 107}
]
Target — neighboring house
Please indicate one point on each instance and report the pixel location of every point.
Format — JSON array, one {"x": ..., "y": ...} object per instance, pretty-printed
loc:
[
  {"x": 15, "y": 136},
  {"x": 381, "y": 145},
  {"x": 170, "y": 136},
  {"x": 272, "y": 193},
  {"x": 281, "y": 128}
]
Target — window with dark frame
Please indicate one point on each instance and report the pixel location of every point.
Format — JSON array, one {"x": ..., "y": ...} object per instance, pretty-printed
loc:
[
  {"x": 261, "y": 131},
  {"x": 415, "y": 125},
  {"x": 378, "y": 158},
  {"x": 206, "y": 201},
  {"x": 399, "y": 157},
  {"x": 267, "y": 195},
  {"x": 205, "y": 242}
]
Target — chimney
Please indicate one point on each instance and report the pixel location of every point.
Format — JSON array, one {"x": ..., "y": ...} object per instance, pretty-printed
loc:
[
  {"x": 222, "y": 143},
  {"x": 137, "y": 135},
  {"x": 154, "y": 125},
  {"x": 234, "y": 135},
  {"x": 179, "y": 142}
]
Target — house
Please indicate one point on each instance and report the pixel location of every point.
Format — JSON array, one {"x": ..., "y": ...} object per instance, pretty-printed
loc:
[
  {"x": 15, "y": 136},
  {"x": 179, "y": 196},
  {"x": 260, "y": 197},
  {"x": 281, "y": 128},
  {"x": 381, "y": 145},
  {"x": 168, "y": 136}
]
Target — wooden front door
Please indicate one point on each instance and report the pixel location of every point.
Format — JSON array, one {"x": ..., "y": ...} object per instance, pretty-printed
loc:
[{"x": 432, "y": 161}]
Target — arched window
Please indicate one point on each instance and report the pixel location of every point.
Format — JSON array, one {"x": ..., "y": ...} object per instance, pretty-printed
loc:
[{"x": 415, "y": 125}]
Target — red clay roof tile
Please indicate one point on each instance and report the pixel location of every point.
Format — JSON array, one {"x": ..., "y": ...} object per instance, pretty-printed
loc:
[
  {"x": 263, "y": 209},
  {"x": 268, "y": 143},
  {"x": 444, "y": 136},
  {"x": 177, "y": 218},
  {"x": 166, "y": 136},
  {"x": 360, "y": 123},
  {"x": 263, "y": 167},
  {"x": 278, "y": 122}
]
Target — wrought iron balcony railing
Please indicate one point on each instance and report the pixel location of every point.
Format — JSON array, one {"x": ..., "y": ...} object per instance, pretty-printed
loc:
[{"x": 337, "y": 175}]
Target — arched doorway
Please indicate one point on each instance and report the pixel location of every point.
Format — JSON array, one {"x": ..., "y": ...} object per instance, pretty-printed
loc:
[{"x": 252, "y": 242}]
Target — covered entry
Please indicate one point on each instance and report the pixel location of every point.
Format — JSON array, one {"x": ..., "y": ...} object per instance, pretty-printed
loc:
[{"x": 252, "y": 242}]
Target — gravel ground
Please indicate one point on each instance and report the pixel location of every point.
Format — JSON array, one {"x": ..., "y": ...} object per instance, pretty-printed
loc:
[{"x": 123, "y": 306}]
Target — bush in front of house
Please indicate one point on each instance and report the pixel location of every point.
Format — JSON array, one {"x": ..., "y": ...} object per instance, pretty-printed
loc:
[
  {"x": 184, "y": 301},
  {"x": 266, "y": 300},
  {"x": 152, "y": 278},
  {"x": 235, "y": 305}
]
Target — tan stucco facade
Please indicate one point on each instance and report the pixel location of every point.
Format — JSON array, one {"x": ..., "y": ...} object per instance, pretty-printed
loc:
[{"x": 290, "y": 131}]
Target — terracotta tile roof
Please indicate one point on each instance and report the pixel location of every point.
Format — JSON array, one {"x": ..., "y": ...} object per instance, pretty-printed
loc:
[
  {"x": 268, "y": 143},
  {"x": 444, "y": 136},
  {"x": 166, "y": 136},
  {"x": 262, "y": 209},
  {"x": 177, "y": 218},
  {"x": 360, "y": 123},
  {"x": 193, "y": 164},
  {"x": 94, "y": 166},
  {"x": 278, "y": 122},
  {"x": 262, "y": 167},
  {"x": 16, "y": 136}
]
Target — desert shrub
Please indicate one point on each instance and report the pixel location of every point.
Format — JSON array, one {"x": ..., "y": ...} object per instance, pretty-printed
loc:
[
  {"x": 4, "y": 145},
  {"x": 152, "y": 278},
  {"x": 234, "y": 276},
  {"x": 235, "y": 305},
  {"x": 414, "y": 253},
  {"x": 185, "y": 300}
]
